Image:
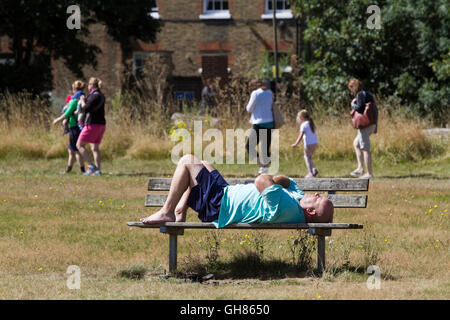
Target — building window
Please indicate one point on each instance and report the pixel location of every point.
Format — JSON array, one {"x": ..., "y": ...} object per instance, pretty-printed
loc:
[
  {"x": 155, "y": 10},
  {"x": 283, "y": 9},
  {"x": 139, "y": 59},
  {"x": 215, "y": 9},
  {"x": 216, "y": 5}
]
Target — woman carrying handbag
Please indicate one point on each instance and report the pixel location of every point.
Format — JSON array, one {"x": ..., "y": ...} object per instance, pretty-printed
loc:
[{"x": 365, "y": 120}]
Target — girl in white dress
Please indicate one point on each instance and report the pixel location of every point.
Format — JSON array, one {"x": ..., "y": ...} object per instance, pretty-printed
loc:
[{"x": 310, "y": 141}]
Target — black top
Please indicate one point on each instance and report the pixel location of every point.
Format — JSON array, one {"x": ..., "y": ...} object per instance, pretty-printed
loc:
[{"x": 95, "y": 108}]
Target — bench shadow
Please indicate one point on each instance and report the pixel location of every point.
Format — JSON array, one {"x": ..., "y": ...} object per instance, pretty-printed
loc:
[
  {"x": 253, "y": 267},
  {"x": 243, "y": 267}
]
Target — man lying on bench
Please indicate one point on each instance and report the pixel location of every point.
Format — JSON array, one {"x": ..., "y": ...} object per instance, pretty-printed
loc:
[{"x": 196, "y": 184}]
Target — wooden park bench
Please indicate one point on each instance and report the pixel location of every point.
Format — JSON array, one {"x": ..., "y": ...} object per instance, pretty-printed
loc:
[{"x": 159, "y": 187}]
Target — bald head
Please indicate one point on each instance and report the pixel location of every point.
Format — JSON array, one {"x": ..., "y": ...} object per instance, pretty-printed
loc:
[
  {"x": 325, "y": 211},
  {"x": 317, "y": 208}
]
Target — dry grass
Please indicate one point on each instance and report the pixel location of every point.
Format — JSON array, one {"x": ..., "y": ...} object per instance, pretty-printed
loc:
[
  {"x": 139, "y": 124},
  {"x": 398, "y": 140},
  {"x": 51, "y": 222}
]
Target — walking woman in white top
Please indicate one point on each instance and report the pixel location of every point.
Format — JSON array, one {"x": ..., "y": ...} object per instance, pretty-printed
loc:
[
  {"x": 309, "y": 136},
  {"x": 260, "y": 106}
]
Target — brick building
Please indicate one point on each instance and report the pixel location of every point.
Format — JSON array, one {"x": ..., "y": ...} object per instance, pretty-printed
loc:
[{"x": 201, "y": 39}]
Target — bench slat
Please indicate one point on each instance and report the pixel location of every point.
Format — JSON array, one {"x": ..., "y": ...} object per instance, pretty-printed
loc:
[
  {"x": 200, "y": 225},
  {"x": 338, "y": 200},
  {"x": 322, "y": 184}
]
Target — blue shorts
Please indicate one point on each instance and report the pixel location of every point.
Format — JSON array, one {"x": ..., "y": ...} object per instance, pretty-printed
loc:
[
  {"x": 206, "y": 197},
  {"x": 74, "y": 133}
]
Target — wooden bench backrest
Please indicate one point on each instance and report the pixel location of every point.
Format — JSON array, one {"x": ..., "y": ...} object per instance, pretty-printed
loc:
[{"x": 159, "y": 187}]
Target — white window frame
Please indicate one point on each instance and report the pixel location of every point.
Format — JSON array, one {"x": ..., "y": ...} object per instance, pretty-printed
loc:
[
  {"x": 214, "y": 14},
  {"x": 281, "y": 14}
]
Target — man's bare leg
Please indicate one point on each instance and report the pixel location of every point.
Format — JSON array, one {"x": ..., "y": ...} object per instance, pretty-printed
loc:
[
  {"x": 184, "y": 177},
  {"x": 182, "y": 207}
]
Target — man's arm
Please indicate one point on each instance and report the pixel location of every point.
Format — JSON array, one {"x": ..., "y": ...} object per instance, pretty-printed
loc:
[
  {"x": 264, "y": 180},
  {"x": 282, "y": 181}
]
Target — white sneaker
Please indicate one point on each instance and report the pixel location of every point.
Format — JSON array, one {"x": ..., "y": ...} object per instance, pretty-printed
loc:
[
  {"x": 356, "y": 173},
  {"x": 309, "y": 176},
  {"x": 366, "y": 176}
]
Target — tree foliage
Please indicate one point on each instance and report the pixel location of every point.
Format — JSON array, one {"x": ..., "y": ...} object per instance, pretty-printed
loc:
[
  {"x": 407, "y": 58},
  {"x": 38, "y": 32}
]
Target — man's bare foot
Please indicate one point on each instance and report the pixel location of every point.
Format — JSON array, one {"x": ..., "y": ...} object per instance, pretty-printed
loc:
[
  {"x": 159, "y": 217},
  {"x": 180, "y": 217},
  {"x": 180, "y": 213}
]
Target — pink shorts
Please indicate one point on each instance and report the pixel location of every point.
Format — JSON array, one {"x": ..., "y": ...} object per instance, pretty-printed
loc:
[{"x": 92, "y": 133}]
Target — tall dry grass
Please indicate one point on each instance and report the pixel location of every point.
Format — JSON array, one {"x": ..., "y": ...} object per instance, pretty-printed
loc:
[{"x": 139, "y": 123}]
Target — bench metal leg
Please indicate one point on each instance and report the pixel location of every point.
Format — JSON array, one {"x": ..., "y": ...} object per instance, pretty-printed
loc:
[
  {"x": 320, "y": 253},
  {"x": 173, "y": 237},
  {"x": 173, "y": 252},
  {"x": 321, "y": 234}
]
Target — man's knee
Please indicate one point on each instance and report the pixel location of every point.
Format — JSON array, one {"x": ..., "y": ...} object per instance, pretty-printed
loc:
[{"x": 189, "y": 159}]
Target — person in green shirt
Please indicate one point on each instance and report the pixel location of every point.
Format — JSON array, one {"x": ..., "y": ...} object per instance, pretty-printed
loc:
[
  {"x": 74, "y": 129},
  {"x": 197, "y": 185}
]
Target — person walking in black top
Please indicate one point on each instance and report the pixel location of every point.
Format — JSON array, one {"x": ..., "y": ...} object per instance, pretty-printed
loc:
[{"x": 95, "y": 124}]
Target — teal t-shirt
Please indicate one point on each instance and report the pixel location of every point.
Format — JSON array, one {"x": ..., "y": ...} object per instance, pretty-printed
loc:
[{"x": 242, "y": 203}]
